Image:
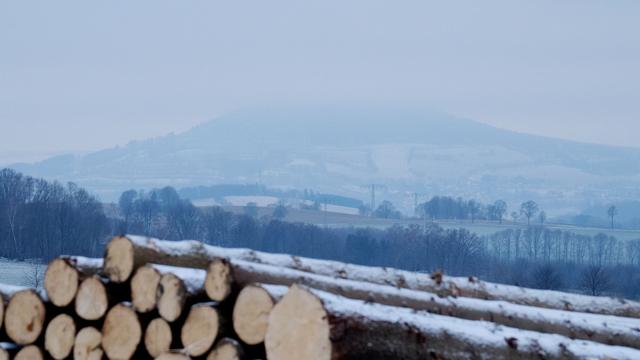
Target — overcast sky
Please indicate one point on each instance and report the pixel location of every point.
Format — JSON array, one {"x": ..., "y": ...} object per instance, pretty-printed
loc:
[{"x": 81, "y": 75}]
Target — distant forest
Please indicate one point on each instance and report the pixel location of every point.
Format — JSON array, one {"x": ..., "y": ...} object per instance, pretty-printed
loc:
[{"x": 41, "y": 219}]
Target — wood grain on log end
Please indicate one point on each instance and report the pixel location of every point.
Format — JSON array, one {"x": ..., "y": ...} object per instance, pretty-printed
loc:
[
  {"x": 251, "y": 314},
  {"x": 144, "y": 289},
  {"x": 226, "y": 349},
  {"x": 158, "y": 337},
  {"x": 200, "y": 329},
  {"x": 30, "y": 352},
  {"x": 87, "y": 345},
  {"x": 60, "y": 336},
  {"x": 61, "y": 282},
  {"x": 24, "y": 317},
  {"x": 121, "y": 332},
  {"x": 171, "y": 297},
  {"x": 173, "y": 356},
  {"x": 298, "y": 328},
  {"x": 219, "y": 280},
  {"x": 119, "y": 259},
  {"x": 91, "y": 301}
]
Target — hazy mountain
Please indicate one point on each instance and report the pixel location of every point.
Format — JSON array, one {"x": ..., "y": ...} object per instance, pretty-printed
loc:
[{"x": 341, "y": 148}]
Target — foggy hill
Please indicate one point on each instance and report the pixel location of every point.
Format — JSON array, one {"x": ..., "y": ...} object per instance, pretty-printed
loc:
[{"x": 340, "y": 148}]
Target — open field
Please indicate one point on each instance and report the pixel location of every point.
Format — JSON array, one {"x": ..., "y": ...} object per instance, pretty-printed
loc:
[
  {"x": 483, "y": 227},
  {"x": 23, "y": 273}
]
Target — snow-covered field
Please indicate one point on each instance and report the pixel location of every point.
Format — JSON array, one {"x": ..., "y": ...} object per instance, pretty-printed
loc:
[
  {"x": 23, "y": 273},
  {"x": 261, "y": 201}
]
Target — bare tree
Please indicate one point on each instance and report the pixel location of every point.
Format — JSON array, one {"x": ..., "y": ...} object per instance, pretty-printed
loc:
[
  {"x": 514, "y": 216},
  {"x": 595, "y": 280},
  {"x": 499, "y": 209},
  {"x": 547, "y": 277},
  {"x": 529, "y": 210},
  {"x": 542, "y": 217},
  {"x": 612, "y": 212}
]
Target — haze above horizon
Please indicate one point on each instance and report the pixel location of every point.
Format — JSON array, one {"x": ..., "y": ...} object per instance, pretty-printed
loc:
[{"x": 76, "y": 76}]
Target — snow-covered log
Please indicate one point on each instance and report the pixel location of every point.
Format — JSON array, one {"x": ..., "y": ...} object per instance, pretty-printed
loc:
[
  {"x": 311, "y": 324},
  {"x": 602, "y": 328},
  {"x": 140, "y": 250},
  {"x": 251, "y": 311}
]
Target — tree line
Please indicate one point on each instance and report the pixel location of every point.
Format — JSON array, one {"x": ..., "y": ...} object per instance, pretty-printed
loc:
[{"x": 40, "y": 219}]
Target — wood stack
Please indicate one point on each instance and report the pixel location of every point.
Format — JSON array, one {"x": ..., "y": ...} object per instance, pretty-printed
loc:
[{"x": 185, "y": 300}]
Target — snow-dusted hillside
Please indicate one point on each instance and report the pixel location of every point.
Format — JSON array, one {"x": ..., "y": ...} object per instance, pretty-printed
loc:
[{"x": 339, "y": 149}]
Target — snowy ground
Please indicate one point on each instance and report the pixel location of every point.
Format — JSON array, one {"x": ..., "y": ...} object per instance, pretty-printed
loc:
[{"x": 24, "y": 273}]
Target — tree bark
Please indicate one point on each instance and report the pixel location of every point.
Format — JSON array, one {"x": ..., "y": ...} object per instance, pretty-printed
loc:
[
  {"x": 311, "y": 324},
  {"x": 198, "y": 255}
]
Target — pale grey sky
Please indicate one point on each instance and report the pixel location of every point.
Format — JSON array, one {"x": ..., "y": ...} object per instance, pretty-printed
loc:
[{"x": 81, "y": 75}]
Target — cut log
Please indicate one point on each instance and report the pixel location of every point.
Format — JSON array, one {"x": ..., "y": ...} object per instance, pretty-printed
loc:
[
  {"x": 171, "y": 297},
  {"x": 144, "y": 289},
  {"x": 92, "y": 301},
  {"x": 173, "y": 356},
  {"x": 119, "y": 260},
  {"x": 251, "y": 311},
  {"x": 24, "y": 317},
  {"x": 226, "y": 349},
  {"x": 200, "y": 329},
  {"x": 61, "y": 282},
  {"x": 60, "y": 336},
  {"x": 8, "y": 350},
  {"x": 121, "y": 332},
  {"x": 196, "y": 254},
  {"x": 218, "y": 284},
  {"x": 311, "y": 324},
  {"x": 87, "y": 345},
  {"x": 30, "y": 352},
  {"x": 607, "y": 329},
  {"x": 158, "y": 337}
]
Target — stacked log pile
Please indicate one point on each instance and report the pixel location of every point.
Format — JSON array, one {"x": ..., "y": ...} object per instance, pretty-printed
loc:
[{"x": 154, "y": 299}]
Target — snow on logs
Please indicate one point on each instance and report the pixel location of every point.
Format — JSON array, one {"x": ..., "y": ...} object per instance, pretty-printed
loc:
[
  {"x": 153, "y": 299},
  {"x": 311, "y": 324},
  {"x": 136, "y": 251}
]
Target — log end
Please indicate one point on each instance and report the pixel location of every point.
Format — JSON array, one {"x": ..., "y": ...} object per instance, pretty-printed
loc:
[
  {"x": 4, "y": 354},
  {"x": 24, "y": 317},
  {"x": 121, "y": 332},
  {"x": 200, "y": 330},
  {"x": 251, "y": 314},
  {"x": 298, "y": 328},
  {"x": 91, "y": 301},
  {"x": 60, "y": 336},
  {"x": 171, "y": 297},
  {"x": 158, "y": 337},
  {"x": 119, "y": 259},
  {"x": 1, "y": 311},
  {"x": 173, "y": 356},
  {"x": 226, "y": 349},
  {"x": 30, "y": 352},
  {"x": 87, "y": 344},
  {"x": 144, "y": 289},
  {"x": 218, "y": 282},
  {"x": 61, "y": 282}
]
